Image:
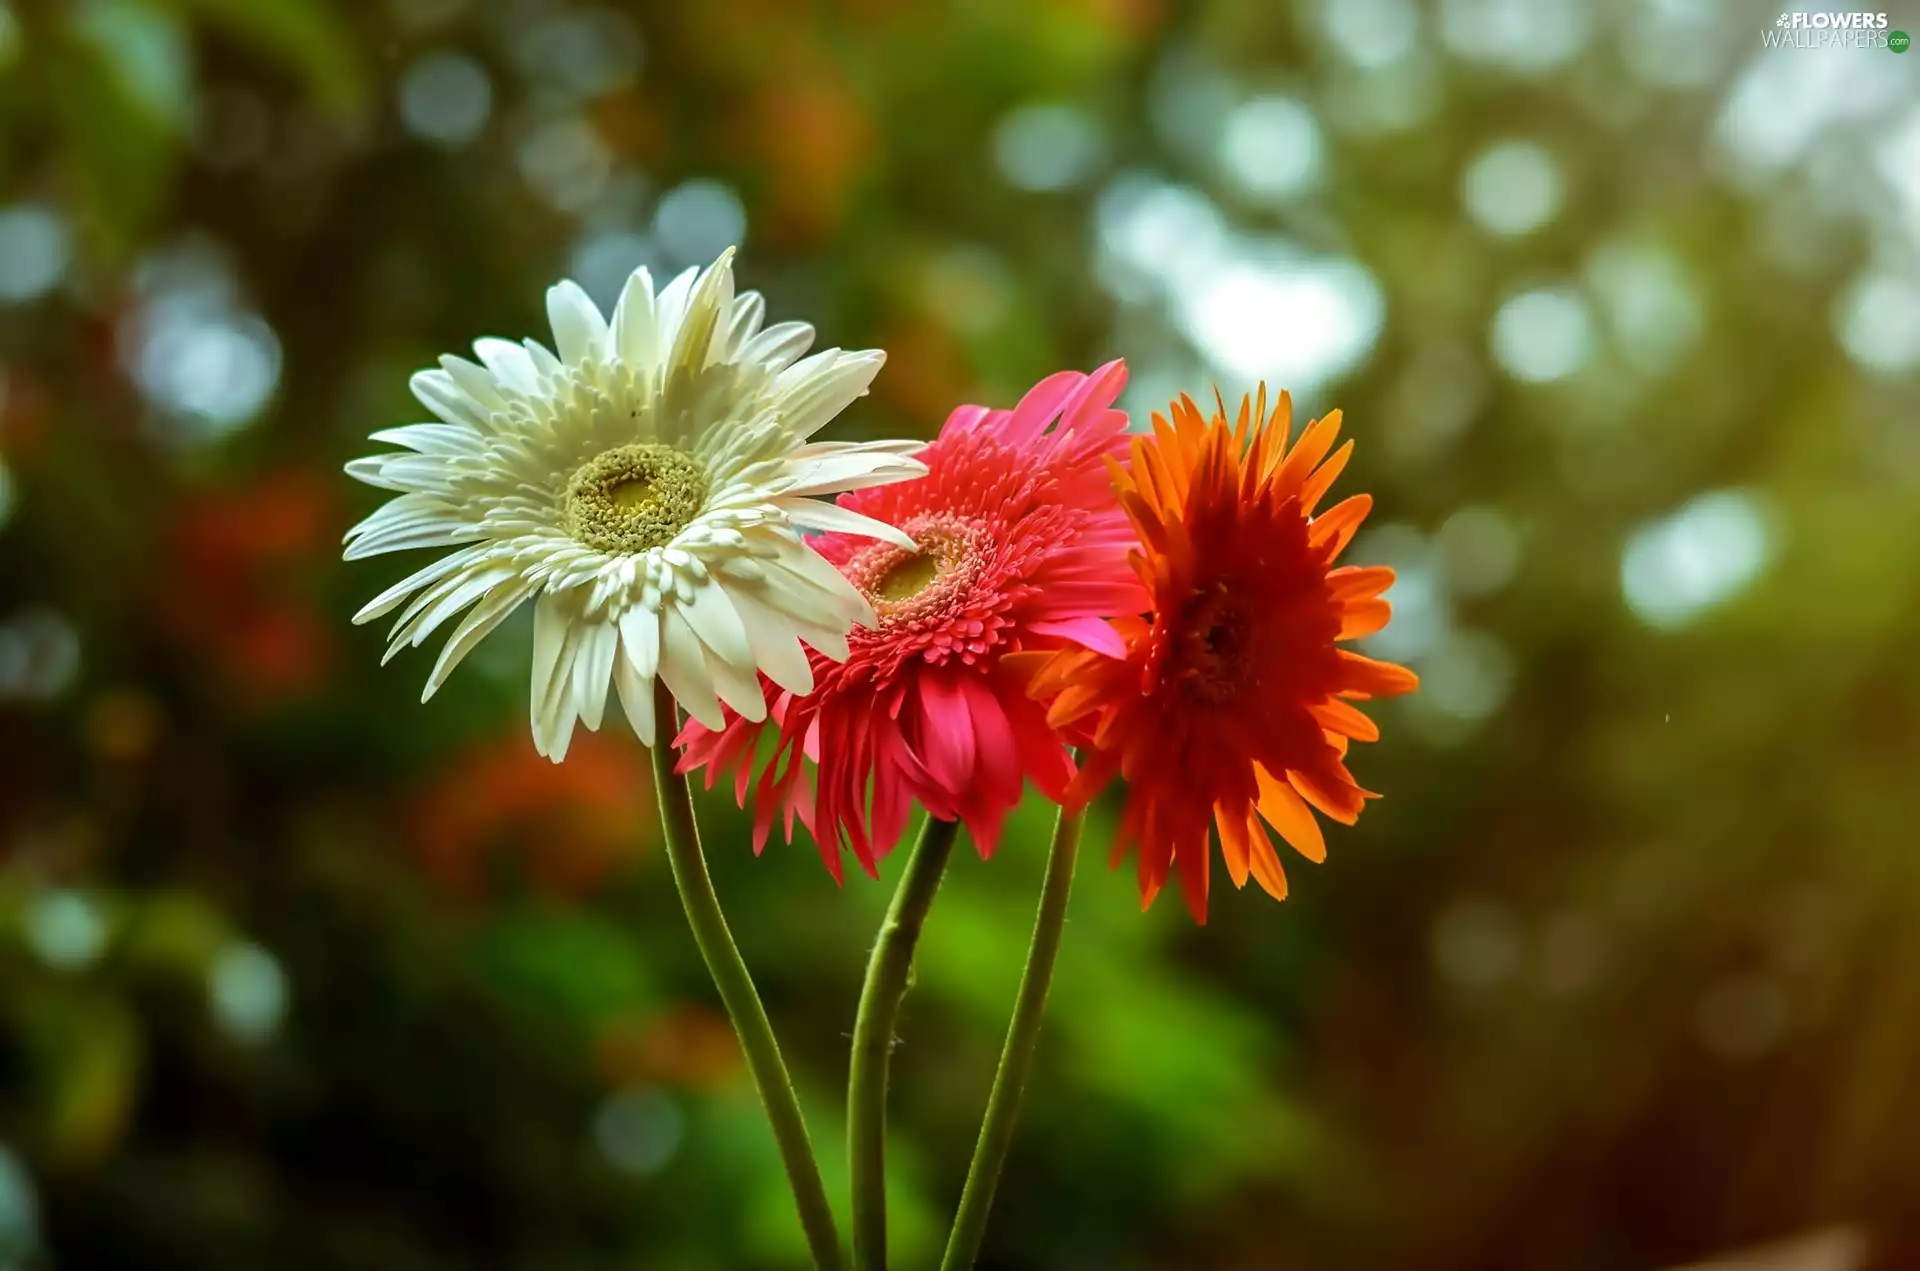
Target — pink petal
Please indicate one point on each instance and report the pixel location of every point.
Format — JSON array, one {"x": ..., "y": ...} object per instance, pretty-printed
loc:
[{"x": 1090, "y": 633}]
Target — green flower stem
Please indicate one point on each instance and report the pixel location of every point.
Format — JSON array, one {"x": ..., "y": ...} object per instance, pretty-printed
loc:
[
  {"x": 889, "y": 976},
  {"x": 1016, "y": 1059},
  {"x": 737, "y": 992}
]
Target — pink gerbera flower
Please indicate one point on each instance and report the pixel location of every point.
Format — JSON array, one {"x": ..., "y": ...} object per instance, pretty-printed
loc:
[{"x": 1021, "y": 546}]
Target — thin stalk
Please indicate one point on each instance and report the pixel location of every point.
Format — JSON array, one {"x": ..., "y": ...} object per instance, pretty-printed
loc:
[
  {"x": 742, "y": 1001},
  {"x": 1016, "y": 1058},
  {"x": 889, "y": 976}
]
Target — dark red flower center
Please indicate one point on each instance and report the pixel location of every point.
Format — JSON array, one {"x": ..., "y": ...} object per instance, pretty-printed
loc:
[{"x": 1213, "y": 646}]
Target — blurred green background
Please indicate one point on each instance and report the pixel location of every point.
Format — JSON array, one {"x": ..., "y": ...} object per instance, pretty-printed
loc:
[{"x": 1624, "y": 311}]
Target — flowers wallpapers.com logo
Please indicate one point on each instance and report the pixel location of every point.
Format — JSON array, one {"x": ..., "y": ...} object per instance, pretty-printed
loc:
[{"x": 1834, "y": 30}]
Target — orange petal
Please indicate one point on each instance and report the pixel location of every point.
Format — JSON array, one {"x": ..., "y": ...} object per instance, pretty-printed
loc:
[
  {"x": 1333, "y": 529},
  {"x": 1233, "y": 841},
  {"x": 1336, "y": 716},
  {"x": 1074, "y": 702},
  {"x": 1287, "y": 813},
  {"x": 1266, "y": 866},
  {"x": 1338, "y": 799},
  {"x": 1320, "y": 482},
  {"x": 1380, "y": 679},
  {"x": 1362, "y": 618},
  {"x": 1313, "y": 447},
  {"x": 1358, "y": 582}
]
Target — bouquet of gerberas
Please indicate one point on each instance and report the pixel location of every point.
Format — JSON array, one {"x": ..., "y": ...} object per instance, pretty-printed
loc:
[{"x": 1037, "y": 595}]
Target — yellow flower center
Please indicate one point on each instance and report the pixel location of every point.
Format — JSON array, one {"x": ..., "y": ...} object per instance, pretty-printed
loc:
[
  {"x": 908, "y": 577},
  {"x": 634, "y": 498}
]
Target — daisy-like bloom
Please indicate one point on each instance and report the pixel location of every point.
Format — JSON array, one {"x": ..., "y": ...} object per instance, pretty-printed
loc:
[
  {"x": 1231, "y": 707},
  {"x": 1021, "y": 547},
  {"x": 645, "y": 483}
]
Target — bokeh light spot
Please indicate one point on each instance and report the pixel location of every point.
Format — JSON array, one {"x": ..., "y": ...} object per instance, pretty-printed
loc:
[
  {"x": 1525, "y": 36},
  {"x": 218, "y": 370},
  {"x": 1512, "y": 188},
  {"x": 1467, "y": 677},
  {"x": 39, "y": 655},
  {"x": 19, "y": 1212},
  {"x": 1048, "y": 146},
  {"x": 34, "y": 252},
  {"x": 638, "y": 1130},
  {"x": 581, "y": 55},
  {"x": 1653, "y": 309},
  {"x": 697, "y": 220},
  {"x": 1543, "y": 335},
  {"x": 65, "y": 930},
  {"x": 601, "y": 262},
  {"x": 1878, "y": 322},
  {"x": 445, "y": 98},
  {"x": 1371, "y": 33},
  {"x": 1283, "y": 317},
  {"x": 247, "y": 991},
  {"x": 566, "y": 163},
  {"x": 1681, "y": 565},
  {"x": 1271, "y": 148}
]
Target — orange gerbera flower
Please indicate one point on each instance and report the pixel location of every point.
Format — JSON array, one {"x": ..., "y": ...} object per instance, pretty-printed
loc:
[{"x": 1232, "y": 706}]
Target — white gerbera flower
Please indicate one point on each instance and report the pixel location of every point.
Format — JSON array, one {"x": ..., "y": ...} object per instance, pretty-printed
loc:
[{"x": 648, "y": 485}]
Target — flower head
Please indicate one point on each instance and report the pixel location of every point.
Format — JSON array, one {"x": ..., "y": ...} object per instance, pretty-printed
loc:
[
  {"x": 1230, "y": 707},
  {"x": 1020, "y": 547},
  {"x": 646, "y": 484}
]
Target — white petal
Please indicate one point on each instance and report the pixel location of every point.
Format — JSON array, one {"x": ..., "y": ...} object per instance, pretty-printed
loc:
[
  {"x": 449, "y": 597},
  {"x": 683, "y": 665},
  {"x": 737, "y": 688},
  {"x": 593, "y": 672},
  {"x": 776, "y": 347},
  {"x": 851, "y": 470},
  {"x": 776, "y": 650},
  {"x": 636, "y": 699},
  {"x": 477, "y": 382},
  {"x": 545, "y": 364},
  {"x": 510, "y": 365},
  {"x": 749, "y": 311},
  {"x": 811, "y": 393},
  {"x": 475, "y": 627},
  {"x": 640, "y": 640},
  {"x": 372, "y": 470},
  {"x": 579, "y": 332},
  {"x": 816, "y": 515},
  {"x": 439, "y": 532},
  {"x": 451, "y": 563},
  {"x": 440, "y": 440},
  {"x": 670, "y": 307},
  {"x": 633, "y": 325},
  {"x": 803, "y": 586},
  {"x": 713, "y": 619},
  {"x": 440, "y": 393},
  {"x": 553, "y": 654},
  {"x": 831, "y": 644},
  {"x": 707, "y": 309}
]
